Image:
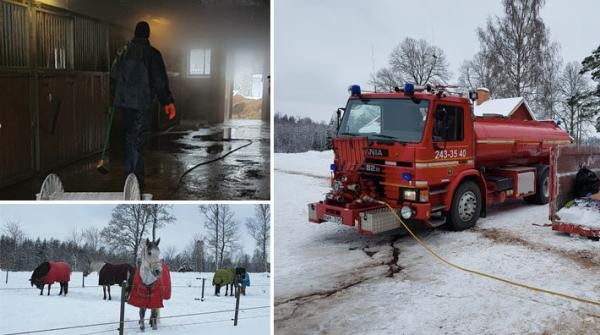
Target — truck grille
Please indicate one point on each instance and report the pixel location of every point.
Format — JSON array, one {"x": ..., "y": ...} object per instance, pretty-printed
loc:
[{"x": 350, "y": 152}]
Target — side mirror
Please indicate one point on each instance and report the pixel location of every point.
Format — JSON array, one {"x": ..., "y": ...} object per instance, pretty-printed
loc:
[
  {"x": 334, "y": 123},
  {"x": 334, "y": 126},
  {"x": 339, "y": 113}
]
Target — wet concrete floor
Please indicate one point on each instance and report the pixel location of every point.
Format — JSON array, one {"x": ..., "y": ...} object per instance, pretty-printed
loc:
[{"x": 242, "y": 175}]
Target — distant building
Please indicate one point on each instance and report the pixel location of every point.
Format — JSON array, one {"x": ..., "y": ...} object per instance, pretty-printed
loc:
[{"x": 515, "y": 108}]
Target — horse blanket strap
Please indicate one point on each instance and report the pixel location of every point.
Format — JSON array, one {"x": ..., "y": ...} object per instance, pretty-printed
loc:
[
  {"x": 151, "y": 296},
  {"x": 59, "y": 272}
]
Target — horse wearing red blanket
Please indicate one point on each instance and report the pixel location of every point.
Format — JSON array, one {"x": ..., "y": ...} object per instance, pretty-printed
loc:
[
  {"x": 49, "y": 273},
  {"x": 151, "y": 284}
]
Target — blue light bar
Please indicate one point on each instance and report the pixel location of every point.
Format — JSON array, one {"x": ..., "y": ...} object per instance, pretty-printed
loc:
[
  {"x": 354, "y": 89},
  {"x": 406, "y": 176},
  {"x": 409, "y": 89},
  {"x": 333, "y": 167}
]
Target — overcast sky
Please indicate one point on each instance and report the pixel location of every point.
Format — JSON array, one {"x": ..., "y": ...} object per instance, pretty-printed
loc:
[
  {"x": 322, "y": 47},
  {"x": 58, "y": 221}
]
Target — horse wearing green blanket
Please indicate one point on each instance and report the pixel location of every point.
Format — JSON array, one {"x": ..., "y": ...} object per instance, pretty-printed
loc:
[{"x": 227, "y": 277}]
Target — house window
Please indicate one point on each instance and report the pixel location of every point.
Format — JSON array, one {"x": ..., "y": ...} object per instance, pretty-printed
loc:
[{"x": 200, "y": 62}]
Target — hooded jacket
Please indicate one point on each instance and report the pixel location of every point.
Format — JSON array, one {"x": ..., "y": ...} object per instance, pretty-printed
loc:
[
  {"x": 137, "y": 75},
  {"x": 150, "y": 296},
  {"x": 246, "y": 280}
]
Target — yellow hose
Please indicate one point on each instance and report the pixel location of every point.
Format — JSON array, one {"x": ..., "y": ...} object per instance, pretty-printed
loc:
[{"x": 483, "y": 274}]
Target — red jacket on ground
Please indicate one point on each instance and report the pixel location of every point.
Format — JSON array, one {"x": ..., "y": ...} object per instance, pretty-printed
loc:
[
  {"x": 150, "y": 296},
  {"x": 59, "y": 272}
]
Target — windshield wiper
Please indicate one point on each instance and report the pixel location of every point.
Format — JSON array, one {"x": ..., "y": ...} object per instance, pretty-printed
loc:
[
  {"x": 351, "y": 134},
  {"x": 385, "y": 136}
]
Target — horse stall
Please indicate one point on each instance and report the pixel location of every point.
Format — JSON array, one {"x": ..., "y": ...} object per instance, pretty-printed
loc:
[
  {"x": 571, "y": 214},
  {"x": 55, "y": 60}
]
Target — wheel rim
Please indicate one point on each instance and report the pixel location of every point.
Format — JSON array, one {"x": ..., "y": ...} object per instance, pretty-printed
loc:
[
  {"x": 467, "y": 205},
  {"x": 131, "y": 190},
  {"x": 51, "y": 187}
]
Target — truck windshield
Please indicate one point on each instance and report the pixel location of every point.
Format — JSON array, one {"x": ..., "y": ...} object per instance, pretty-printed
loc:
[{"x": 399, "y": 119}]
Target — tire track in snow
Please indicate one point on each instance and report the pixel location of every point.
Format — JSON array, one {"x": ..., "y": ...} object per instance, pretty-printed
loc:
[{"x": 585, "y": 258}]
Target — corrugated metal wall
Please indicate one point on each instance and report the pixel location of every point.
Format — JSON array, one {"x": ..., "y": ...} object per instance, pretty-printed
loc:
[
  {"x": 14, "y": 32},
  {"x": 91, "y": 41},
  {"x": 54, "y": 107},
  {"x": 54, "y": 40}
]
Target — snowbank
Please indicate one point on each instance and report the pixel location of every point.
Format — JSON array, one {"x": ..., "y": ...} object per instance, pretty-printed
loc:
[
  {"x": 23, "y": 309},
  {"x": 584, "y": 212},
  {"x": 330, "y": 280}
]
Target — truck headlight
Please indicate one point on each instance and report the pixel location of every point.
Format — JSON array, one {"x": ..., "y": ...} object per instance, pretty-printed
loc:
[
  {"x": 409, "y": 194},
  {"x": 406, "y": 212},
  {"x": 337, "y": 186}
]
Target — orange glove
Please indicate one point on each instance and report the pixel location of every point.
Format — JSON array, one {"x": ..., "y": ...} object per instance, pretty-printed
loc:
[{"x": 170, "y": 111}]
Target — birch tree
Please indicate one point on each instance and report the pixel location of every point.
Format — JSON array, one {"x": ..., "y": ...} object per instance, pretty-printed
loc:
[
  {"x": 260, "y": 228},
  {"x": 223, "y": 230}
]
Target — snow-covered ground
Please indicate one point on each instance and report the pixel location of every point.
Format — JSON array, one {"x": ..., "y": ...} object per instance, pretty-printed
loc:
[
  {"x": 22, "y": 309},
  {"x": 330, "y": 280}
]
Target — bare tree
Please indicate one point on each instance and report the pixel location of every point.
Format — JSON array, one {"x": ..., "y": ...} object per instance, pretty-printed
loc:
[
  {"x": 161, "y": 216},
  {"x": 198, "y": 255},
  {"x": 91, "y": 237},
  {"x": 223, "y": 236},
  {"x": 260, "y": 228},
  {"x": 168, "y": 254},
  {"x": 517, "y": 49},
  {"x": 75, "y": 237},
  {"x": 127, "y": 228},
  {"x": 196, "y": 252},
  {"x": 211, "y": 213},
  {"x": 386, "y": 79},
  {"x": 13, "y": 230},
  {"x": 415, "y": 61},
  {"x": 477, "y": 73},
  {"x": 548, "y": 97}
]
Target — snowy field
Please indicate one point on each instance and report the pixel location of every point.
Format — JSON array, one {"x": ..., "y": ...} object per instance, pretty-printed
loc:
[
  {"x": 22, "y": 309},
  {"x": 330, "y": 280}
]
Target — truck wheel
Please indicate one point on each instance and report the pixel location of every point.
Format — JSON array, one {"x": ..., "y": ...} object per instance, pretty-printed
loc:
[
  {"x": 466, "y": 206},
  {"x": 542, "y": 185}
]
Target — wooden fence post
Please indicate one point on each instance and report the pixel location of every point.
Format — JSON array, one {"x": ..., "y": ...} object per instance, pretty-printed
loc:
[
  {"x": 122, "y": 315},
  {"x": 237, "y": 304}
]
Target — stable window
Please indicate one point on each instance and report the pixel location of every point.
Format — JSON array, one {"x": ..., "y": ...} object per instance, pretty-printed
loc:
[{"x": 200, "y": 62}]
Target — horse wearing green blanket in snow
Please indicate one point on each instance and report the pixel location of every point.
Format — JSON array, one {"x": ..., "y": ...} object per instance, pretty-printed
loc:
[{"x": 229, "y": 278}]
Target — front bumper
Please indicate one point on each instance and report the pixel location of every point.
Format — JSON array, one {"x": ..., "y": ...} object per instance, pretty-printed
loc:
[{"x": 368, "y": 220}]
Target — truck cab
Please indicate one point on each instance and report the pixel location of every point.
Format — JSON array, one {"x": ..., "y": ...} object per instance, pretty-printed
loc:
[{"x": 414, "y": 149}]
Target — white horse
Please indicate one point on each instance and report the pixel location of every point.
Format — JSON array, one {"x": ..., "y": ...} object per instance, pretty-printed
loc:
[{"x": 148, "y": 288}]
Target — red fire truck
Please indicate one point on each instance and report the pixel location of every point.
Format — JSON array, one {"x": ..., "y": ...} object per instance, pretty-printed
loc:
[{"x": 423, "y": 151}]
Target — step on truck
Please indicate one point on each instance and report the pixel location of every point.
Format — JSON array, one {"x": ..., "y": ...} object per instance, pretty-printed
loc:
[{"x": 423, "y": 151}]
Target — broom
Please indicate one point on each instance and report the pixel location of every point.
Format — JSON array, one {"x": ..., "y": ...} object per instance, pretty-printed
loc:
[{"x": 102, "y": 168}]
